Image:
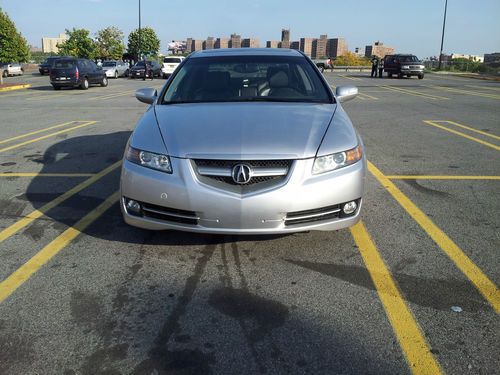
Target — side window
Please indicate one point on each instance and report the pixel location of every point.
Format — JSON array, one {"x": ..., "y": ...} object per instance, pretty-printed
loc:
[{"x": 92, "y": 65}]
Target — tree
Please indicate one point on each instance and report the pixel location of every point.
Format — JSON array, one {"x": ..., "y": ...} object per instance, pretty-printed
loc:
[
  {"x": 150, "y": 44},
  {"x": 13, "y": 47},
  {"x": 78, "y": 44},
  {"x": 109, "y": 42},
  {"x": 351, "y": 59}
]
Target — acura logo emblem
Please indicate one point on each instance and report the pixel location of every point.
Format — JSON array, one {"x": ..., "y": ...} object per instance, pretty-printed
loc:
[{"x": 241, "y": 173}]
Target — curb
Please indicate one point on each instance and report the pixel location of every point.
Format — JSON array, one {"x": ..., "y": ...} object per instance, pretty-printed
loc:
[{"x": 15, "y": 87}]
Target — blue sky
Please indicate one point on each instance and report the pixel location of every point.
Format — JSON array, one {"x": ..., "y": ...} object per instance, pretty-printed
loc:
[{"x": 409, "y": 26}]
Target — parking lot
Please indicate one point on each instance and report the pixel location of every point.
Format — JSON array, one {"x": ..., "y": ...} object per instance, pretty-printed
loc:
[{"x": 412, "y": 288}]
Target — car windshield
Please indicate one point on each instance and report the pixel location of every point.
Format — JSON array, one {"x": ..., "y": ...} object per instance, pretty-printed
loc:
[
  {"x": 140, "y": 64},
  {"x": 64, "y": 63},
  {"x": 246, "y": 78},
  {"x": 109, "y": 63},
  {"x": 171, "y": 60},
  {"x": 409, "y": 59}
]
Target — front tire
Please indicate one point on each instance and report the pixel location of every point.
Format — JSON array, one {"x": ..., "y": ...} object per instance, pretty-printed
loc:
[
  {"x": 5, "y": 74},
  {"x": 116, "y": 74},
  {"x": 85, "y": 84},
  {"x": 104, "y": 81},
  {"x": 420, "y": 76}
]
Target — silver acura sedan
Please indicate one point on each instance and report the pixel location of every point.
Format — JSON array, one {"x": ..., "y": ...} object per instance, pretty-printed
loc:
[{"x": 244, "y": 141}]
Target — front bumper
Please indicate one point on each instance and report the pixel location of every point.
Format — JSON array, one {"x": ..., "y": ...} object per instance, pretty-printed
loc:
[
  {"x": 109, "y": 73},
  {"x": 223, "y": 212}
]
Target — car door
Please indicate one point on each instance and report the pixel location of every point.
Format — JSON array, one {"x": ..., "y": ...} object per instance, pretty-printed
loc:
[{"x": 95, "y": 73}]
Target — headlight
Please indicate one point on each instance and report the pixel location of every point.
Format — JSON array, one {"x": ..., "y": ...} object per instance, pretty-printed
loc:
[
  {"x": 149, "y": 159},
  {"x": 405, "y": 67},
  {"x": 421, "y": 66},
  {"x": 331, "y": 162}
]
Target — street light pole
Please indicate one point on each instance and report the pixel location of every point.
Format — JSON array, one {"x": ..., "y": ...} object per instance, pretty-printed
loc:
[
  {"x": 139, "y": 51},
  {"x": 442, "y": 35}
]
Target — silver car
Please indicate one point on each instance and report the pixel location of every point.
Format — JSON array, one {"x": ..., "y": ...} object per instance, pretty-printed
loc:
[
  {"x": 115, "y": 69},
  {"x": 244, "y": 141}
]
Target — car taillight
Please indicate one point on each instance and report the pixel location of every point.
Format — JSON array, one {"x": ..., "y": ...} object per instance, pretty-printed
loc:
[{"x": 77, "y": 74}]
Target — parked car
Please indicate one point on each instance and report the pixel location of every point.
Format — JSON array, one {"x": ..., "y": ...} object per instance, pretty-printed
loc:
[
  {"x": 244, "y": 141},
  {"x": 115, "y": 69},
  {"x": 11, "y": 69},
  {"x": 403, "y": 65},
  {"x": 323, "y": 64},
  {"x": 170, "y": 64},
  {"x": 137, "y": 71},
  {"x": 74, "y": 72},
  {"x": 44, "y": 68}
]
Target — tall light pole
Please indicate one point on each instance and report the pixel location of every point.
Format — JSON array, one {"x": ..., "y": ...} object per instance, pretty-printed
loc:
[
  {"x": 442, "y": 35},
  {"x": 139, "y": 51}
]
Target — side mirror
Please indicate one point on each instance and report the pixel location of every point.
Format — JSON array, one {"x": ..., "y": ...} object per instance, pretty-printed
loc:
[
  {"x": 346, "y": 93},
  {"x": 147, "y": 95}
]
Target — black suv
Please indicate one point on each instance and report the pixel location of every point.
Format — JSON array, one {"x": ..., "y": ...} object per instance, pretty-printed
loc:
[
  {"x": 137, "y": 71},
  {"x": 403, "y": 65},
  {"x": 73, "y": 72},
  {"x": 44, "y": 68}
]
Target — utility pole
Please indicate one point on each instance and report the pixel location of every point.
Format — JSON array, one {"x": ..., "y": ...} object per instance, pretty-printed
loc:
[
  {"x": 442, "y": 35},
  {"x": 139, "y": 52}
]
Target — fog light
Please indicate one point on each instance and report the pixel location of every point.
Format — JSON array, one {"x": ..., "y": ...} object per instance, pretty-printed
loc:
[
  {"x": 133, "y": 206},
  {"x": 350, "y": 207}
]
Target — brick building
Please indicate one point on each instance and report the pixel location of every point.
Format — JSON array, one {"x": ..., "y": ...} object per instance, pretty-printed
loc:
[
  {"x": 378, "y": 49},
  {"x": 336, "y": 47}
]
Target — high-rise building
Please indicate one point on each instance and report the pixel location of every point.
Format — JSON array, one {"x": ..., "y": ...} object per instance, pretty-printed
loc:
[
  {"x": 306, "y": 45},
  {"x": 295, "y": 45},
  {"x": 209, "y": 43},
  {"x": 336, "y": 47},
  {"x": 285, "y": 35},
  {"x": 196, "y": 44},
  {"x": 235, "y": 41},
  {"x": 319, "y": 47},
  {"x": 378, "y": 49},
  {"x": 221, "y": 43},
  {"x": 272, "y": 44},
  {"x": 250, "y": 43},
  {"x": 49, "y": 45},
  {"x": 189, "y": 44}
]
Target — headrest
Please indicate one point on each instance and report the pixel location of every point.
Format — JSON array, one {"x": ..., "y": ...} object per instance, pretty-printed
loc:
[{"x": 279, "y": 79}]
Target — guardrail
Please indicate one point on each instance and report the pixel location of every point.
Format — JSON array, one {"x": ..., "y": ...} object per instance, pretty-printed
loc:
[{"x": 346, "y": 68}]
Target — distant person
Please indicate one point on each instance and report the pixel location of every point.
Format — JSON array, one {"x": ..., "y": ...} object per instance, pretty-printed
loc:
[
  {"x": 330, "y": 62},
  {"x": 380, "y": 68},
  {"x": 374, "y": 66}
]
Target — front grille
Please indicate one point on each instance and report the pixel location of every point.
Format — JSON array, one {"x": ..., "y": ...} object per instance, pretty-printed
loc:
[
  {"x": 266, "y": 173},
  {"x": 169, "y": 214},
  {"x": 309, "y": 216}
]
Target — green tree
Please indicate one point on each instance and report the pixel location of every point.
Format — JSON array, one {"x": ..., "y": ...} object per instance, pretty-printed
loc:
[
  {"x": 78, "y": 44},
  {"x": 13, "y": 47},
  {"x": 150, "y": 44},
  {"x": 109, "y": 42},
  {"x": 351, "y": 59}
]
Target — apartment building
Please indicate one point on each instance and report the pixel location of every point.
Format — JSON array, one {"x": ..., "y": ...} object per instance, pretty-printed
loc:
[
  {"x": 336, "y": 47},
  {"x": 49, "y": 45},
  {"x": 306, "y": 45},
  {"x": 209, "y": 43},
  {"x": 378, "y": 49},
  {"x": 221, "y": 43},
  {"x": 235, "y": 41},
  {"x": 318, "y": 50},
  {"x": 250, "y": 43},
  {"x": 295, "y": 45},
  {"x": 272, "y": 44}
]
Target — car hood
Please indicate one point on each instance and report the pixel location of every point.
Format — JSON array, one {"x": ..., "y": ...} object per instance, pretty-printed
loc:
[{"x": 244, "y": 130}]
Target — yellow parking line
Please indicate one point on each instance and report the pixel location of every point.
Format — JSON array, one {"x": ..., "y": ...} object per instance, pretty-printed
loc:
[
  {"x": 351, "y": 78},
  {"x": 485, "y": 286},
  {"x": 410, "y": 336},
  {"x": 495, "y": 147},
  {"x": 369, "y": 96},
  {"x": 420, "y": 177},
  {"x": 484, "y": 87},
  {"x": 38, "y": 131},
  {"x": 25, "y": 174},
  {"x": 469, "y": 128},
  {"x": 17, "y": 226},
  {"x": 47, "y": 136},
  {"x": 23, "y": 273},
  {"x": 467, "y": 92},
  {"x": 109, "y": 96},
  {"x": 414, "y": 93}
]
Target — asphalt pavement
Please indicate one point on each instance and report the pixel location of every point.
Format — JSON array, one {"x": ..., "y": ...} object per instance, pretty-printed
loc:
[{"x": 413, "y": 288}]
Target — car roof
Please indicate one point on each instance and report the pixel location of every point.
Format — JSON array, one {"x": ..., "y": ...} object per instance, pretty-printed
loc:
[{"x": 246, "y": 52}]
